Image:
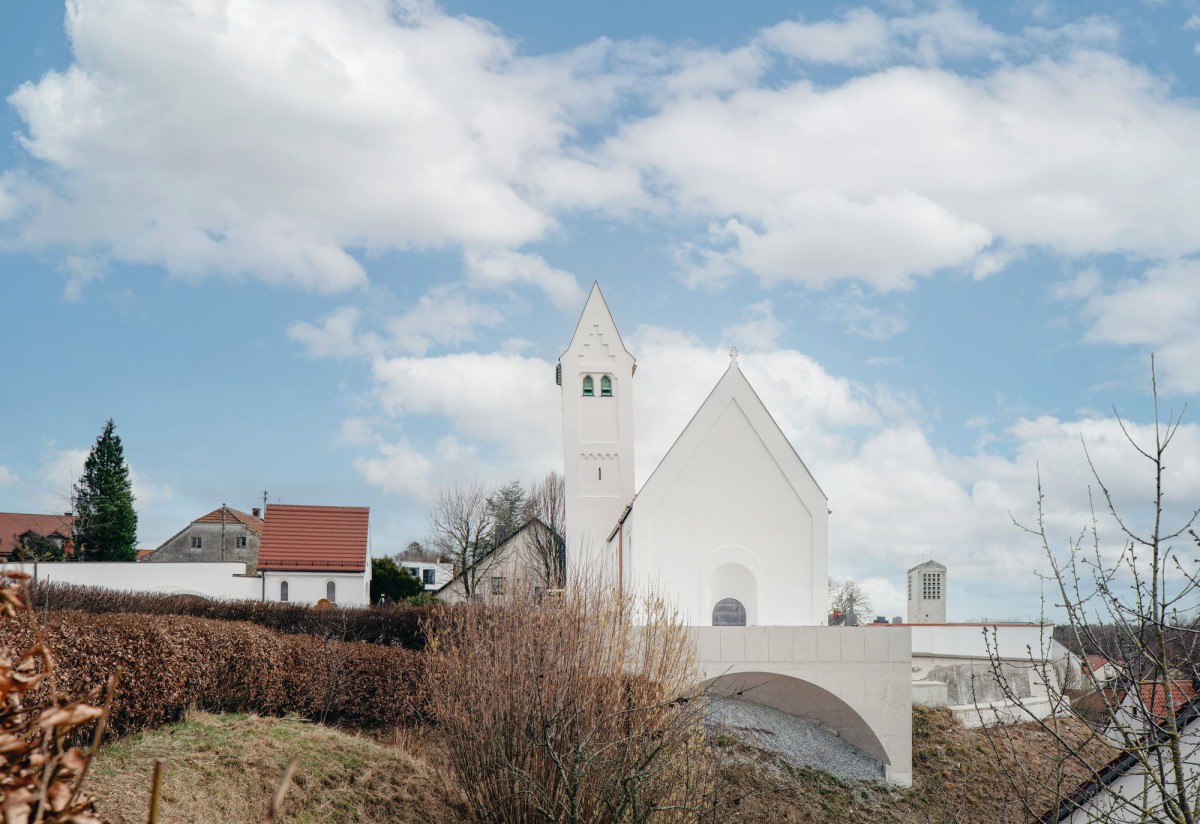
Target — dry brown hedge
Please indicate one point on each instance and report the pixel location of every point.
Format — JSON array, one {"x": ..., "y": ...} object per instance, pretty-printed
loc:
[
  {"x": 398, "y": 626},
  {"x": 169, "y": 663}
]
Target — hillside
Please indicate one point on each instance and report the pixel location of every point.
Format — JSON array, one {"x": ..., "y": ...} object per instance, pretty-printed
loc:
[{"x": 224, "y": 768}]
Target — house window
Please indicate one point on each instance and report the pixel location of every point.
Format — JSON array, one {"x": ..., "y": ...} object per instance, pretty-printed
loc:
[
  {"x": 606, "y": 387},
  {"x": 283, "y": 590},
  {"x": 931, "y": 585},
  {"x": 589, "y": 388},
  {"x": 239, "y": 542},
  {"x": 497, "y": 585},
  {"x": 729, "y": 612},
  {"x": 197, "y": 542},
  {"x": 428, "y": 577},
  {"x": 331, "y": 592}
]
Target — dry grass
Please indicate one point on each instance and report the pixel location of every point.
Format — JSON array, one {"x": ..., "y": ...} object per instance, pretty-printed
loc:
[{"x": 226, "y": 768}]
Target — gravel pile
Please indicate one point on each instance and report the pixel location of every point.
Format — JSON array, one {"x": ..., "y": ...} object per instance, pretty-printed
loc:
[{"x": 798, "y": 741}]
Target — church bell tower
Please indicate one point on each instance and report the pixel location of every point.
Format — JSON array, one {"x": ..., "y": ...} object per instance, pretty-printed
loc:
[{"x": 596, "y": 378}]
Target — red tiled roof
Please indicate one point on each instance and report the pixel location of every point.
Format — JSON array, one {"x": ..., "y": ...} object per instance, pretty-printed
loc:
[
  {"x": 142, "y": 553},
  {"x": 1154, "y": 697},
  {"x": 15, "y": 524},
  {"x": 231, "y": 515},
  {"x": 1095, "y": 662},
  {"x": 317, "y": 538}
]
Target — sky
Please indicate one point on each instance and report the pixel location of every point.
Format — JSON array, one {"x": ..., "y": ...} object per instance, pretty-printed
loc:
[{"x": 330, "y": 251}]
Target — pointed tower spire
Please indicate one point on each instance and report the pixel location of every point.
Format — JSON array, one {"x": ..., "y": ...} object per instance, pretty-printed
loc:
[{"x": 596, "y": 376}]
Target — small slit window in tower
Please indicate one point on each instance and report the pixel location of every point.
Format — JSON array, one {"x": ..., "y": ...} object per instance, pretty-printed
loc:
[
  {"x": 606, "y": 387},
  {"x": 599, "y": 473},
  {"x": 588, "y": 387}
]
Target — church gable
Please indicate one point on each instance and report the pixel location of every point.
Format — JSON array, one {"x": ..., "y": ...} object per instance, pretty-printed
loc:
[{"x": 733, "y": 392}]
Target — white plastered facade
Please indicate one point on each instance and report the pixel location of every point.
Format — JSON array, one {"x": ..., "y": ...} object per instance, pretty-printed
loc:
[{"x": 731, "y": 512}]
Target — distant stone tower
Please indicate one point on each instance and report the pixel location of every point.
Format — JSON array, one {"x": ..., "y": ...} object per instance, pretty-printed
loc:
[
  {"x": 927, "y": 593},
  {"x": 596, "y": 376}
]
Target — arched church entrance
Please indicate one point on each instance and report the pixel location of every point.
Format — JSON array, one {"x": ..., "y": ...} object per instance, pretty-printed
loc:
[
  {"x": 733, "y": 595},
  {"x": 729, "y": 612}
]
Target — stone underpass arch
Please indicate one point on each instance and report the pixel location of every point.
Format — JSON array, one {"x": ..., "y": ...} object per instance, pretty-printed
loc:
[{"x": 803, "y": 699}]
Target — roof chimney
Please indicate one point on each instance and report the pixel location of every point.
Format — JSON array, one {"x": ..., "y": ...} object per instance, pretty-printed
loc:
[{"x": 256, "y": 512}]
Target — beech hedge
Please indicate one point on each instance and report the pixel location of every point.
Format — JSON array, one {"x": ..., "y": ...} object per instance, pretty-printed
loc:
[
  {"x": 399, "y": 625},
  {"x": 169, "y": 663}
]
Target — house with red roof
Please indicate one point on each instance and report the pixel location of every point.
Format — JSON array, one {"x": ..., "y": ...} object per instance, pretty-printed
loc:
[
  {"x": 314, "y": 553},
  {"x": 17, "y": 529},
  {"x": 223, "y": 535}
]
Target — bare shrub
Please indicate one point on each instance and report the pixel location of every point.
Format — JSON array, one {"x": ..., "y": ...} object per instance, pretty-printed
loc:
[
  {"x": 171, "y": 663},
  {"x": 41, "y": 774},
  {"x": 564, "y": 710}
]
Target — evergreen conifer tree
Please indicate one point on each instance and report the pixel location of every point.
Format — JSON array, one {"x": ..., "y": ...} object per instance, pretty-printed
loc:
[{"x": 105, "y": 521}]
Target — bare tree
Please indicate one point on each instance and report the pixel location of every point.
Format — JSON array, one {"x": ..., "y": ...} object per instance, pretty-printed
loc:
[
  {"x": 547, "y": 503},
  {"x": 1125, "y": 600},
  {"x": 461, "y": 523},
  {"x": 850, "y": 599}
]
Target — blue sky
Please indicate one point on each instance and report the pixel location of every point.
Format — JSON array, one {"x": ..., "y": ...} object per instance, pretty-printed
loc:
[{"x": 332, "y": 250}]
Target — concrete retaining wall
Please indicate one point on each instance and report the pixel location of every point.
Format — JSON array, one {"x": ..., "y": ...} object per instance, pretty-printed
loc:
[{"x": 853, "y": 679}]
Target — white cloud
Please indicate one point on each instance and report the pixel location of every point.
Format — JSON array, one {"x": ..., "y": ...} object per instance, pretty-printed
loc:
[
  {"x": 284, "y": 140},
  {"x": 862, "y": 37},
  {"x": 1083, "y": 285},
  {"x": 7, "y": 477},
  {"x": 269, "y": 139},
  {"x": 1160, "y": 311},
  {"x": 443, "y": 317},
  {"x": 758, "y": 329},
  {"x": 335, "y": 337},
  {"x": 502, "y": 267},
  {"x": 858, "y": 318},
  {"x": 894, "y": 174}
]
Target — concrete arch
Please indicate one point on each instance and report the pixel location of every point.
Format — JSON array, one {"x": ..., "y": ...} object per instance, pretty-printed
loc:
[
  {"x": 804, "y": 699},
  {"x": 856, "y": 680}
]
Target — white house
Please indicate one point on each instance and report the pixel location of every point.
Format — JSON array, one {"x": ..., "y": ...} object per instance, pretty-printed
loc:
[
  {"x": 314, "y": 553},
  {"x": 433, "y": 575},
  {"x": 731, "y": 523}
]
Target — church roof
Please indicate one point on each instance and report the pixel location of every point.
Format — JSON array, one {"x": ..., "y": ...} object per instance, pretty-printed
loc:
[
  {"x": 930, "y": 564},
  {"x": 733, "y": 387}
]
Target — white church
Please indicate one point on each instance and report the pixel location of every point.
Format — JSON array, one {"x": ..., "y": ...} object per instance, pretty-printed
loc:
[{"x": 731, "y": 523}]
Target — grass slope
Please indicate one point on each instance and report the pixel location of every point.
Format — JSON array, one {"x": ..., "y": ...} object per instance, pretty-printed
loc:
[
  {"x": 226, "y": 768},
  {"x": 956, "y": 779}
]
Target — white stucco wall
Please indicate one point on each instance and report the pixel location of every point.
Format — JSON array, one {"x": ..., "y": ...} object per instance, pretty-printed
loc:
[
  {"x": 731, "y": 512},
  {"x": 1011, "y": 641},
  {"x": 212, "y": 580},
  {"x": 352, "y": 589}
]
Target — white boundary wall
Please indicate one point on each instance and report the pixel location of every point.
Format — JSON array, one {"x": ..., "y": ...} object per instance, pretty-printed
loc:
[{"x": 219, "y": 580}]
